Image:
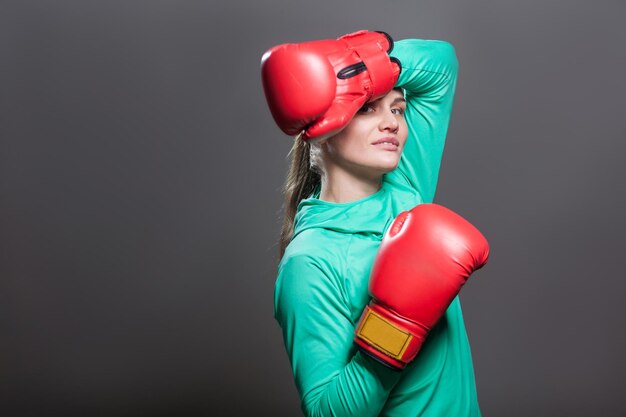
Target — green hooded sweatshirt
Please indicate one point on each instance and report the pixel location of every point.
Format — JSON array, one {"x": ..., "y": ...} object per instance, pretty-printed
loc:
[{"x": 322, "y": 283}]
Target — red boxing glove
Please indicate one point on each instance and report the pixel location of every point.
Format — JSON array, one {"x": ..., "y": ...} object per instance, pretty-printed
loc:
[
  {"x": 319, "y": 86},
  {"x": 423, "y": 261}
]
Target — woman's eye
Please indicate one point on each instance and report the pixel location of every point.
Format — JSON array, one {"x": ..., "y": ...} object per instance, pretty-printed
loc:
[{"x": 367, "y": 108}]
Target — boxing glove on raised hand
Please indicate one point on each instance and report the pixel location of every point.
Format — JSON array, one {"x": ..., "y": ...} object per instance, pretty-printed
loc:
[
  {"x": 319, "y": 86},
  {"x": 423, "y": 261}
]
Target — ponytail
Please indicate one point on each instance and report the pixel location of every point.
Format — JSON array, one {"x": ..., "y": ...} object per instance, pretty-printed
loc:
[{"x": 302, "y": 179}]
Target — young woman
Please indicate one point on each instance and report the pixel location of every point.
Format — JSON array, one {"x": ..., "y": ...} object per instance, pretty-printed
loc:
[{"x": 341, "y": 195}]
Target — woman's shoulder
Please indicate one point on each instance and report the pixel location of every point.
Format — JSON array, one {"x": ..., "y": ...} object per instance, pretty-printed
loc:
[
  {"x": 314, "y": 250},
  {"x": 311, "y": 268},
  {"x": 321, "y": 241},
  {"x": 316, "y": 245}
]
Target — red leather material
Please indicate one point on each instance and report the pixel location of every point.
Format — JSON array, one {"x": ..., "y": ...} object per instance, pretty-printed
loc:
[{"x": 302, "y": 86}]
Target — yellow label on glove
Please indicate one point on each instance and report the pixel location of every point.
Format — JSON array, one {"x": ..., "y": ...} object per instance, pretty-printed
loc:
[{"x": 383, "y": 335}]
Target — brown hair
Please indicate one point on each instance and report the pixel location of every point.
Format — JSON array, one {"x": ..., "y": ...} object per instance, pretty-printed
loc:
[{"x": 303, "y": 177}]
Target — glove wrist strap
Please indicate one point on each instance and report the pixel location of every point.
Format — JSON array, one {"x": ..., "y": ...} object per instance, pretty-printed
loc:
[{"x": 389, "y": 337}]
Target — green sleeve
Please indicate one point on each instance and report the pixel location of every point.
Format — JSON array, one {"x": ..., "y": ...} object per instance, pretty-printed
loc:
[
  {"x": 429, "y": 73},
  {"x": 331, "y": 378}
]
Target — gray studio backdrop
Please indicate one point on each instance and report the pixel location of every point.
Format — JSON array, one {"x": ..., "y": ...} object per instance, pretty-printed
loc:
[{"x": 140, "y": 201}]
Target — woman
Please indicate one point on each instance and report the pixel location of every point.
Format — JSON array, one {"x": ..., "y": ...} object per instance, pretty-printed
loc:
[{"x": 341, "y": 195}]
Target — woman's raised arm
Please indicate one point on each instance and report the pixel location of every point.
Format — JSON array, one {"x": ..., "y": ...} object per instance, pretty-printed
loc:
[{"x": 429, "y": 74}]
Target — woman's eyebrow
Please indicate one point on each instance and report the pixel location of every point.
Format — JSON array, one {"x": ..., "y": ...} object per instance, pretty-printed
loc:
[
  {"x": 380, "y": 101},
  {"x": 397, "y": 100}
]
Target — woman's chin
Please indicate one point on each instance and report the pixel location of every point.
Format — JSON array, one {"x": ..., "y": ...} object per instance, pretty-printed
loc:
[
  {"x": 389, "y": 165},
  {"x": 386, "y": 168}
]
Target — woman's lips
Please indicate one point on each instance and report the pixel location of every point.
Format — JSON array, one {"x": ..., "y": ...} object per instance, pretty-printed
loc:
[{"x": 390, "y": 144}]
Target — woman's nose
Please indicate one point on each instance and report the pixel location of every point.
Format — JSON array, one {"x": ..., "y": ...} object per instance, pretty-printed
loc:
[{"x": 389, "y": 122}]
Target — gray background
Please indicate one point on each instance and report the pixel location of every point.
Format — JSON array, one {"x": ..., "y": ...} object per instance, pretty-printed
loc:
[{"x": 140, "y": 201}]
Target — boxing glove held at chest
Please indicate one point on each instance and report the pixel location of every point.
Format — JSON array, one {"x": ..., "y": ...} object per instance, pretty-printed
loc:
[
  {"x": 424, "y": 259},
  {"x": 318, "y": 86}
]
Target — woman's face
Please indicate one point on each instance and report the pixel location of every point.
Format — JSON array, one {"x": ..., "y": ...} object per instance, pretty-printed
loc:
[{"x": 371, "y": 144}]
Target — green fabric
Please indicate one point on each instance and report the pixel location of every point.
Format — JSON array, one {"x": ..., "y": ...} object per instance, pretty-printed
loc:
[{"x": 321, "y": 288}]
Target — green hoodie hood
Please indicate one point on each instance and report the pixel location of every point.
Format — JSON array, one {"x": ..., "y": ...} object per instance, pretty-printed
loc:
[{"x": 370, "y": 215}]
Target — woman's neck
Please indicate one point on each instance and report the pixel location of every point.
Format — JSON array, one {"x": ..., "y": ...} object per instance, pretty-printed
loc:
[{"x": 339, "y": 186}]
